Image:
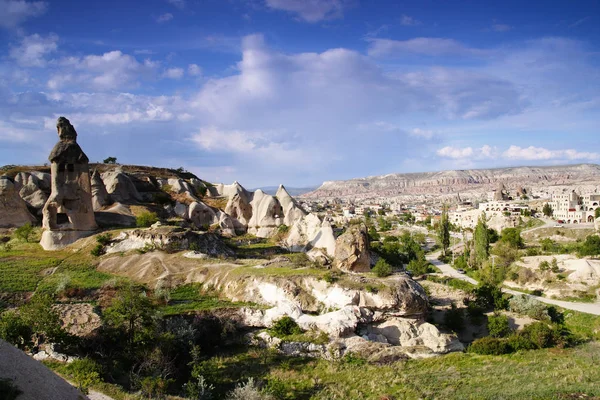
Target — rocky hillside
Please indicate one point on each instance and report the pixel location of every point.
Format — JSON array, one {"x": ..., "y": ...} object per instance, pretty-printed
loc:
[{"x": 475, "y": 182}]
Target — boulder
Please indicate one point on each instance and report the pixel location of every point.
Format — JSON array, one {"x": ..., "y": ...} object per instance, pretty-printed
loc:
[
  {"x": 100, "y": 197},
  {"x": 202, "y": 215},
  {"x": 352, "y": 250},
  {"x": 117, "y": 215},
  {"x": 414, "y": 332},
  {"x": 179, "y": 186},
  {"x": 181, "y": 210},
  {"x": 13, "y": 209},
  {"x": 120, "y": 187},
  {"x": 32, "y": 189}
]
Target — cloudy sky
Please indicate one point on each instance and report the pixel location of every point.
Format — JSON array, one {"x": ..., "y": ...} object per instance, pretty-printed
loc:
[{"x": 302, "y": 91}]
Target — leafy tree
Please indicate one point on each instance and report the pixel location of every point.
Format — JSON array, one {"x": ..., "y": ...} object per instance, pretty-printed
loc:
[
  {"x": 24, "y": 232},
  {"x": 85, "y": 373},
  {"x": 597, "y": 212},
  {"x": 554, "y": 265},
  {"x": 482, "y": 240},
  {"x": 444, "y": 231},
  {"x": 493, "y": 235},
  {"x": 418, "y": 266},
  {"x": 547, "y": 210},
  {"x": 513, "y": 237},
  {"x": 384, "y": 224},
  {"x": 285, "y": 326},
  {"x": 382, "y": 268},
  {"x": 591, "y": 246},
  {"x": 110, "y": 160},
  {"x": 131, "y": 312},
  {"x": 43, "y": 319}
]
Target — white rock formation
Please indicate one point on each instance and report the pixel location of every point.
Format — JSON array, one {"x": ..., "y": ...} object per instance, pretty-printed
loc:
[
  {"x": 267, "y": 214},
  {"x": 32, "y": 189},
  {"x": 291, "y": 210},
  {"x": 120, "y": 187},
  {"x": 13, "y": 209},
  {"x": 309, "y": 232},
  {"x": 100, "y": 197}
]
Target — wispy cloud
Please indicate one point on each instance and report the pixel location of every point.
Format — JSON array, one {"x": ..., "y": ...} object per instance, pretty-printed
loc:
[
  {"x": 406, "y": 20},
  {"x": 15, "y": 12},
  {"x": 422, "y": 46},
  {"x": 164, "y": 18},
  {"x": 33, "y": 50},
  {"x": 580, "y": 21},
  {"x": 311, "y": 10},
  {"x": 516, "y": 153},
  {"x": 178, "y": 3},
  {"x": 496, "y": 27}
]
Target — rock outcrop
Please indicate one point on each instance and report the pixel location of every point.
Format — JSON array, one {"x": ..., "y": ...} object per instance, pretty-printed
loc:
[
  {"x": 100, "y": 197},
  {"x": 291, "y": 210},
  {"x": 13, "y": 209},
  {"x": 352, "y": 250},
  {"x": 308, "y": 232},
  {"x": 120, "y": 187},
  {"x": 32, "y": 189},
  {"x": 68, "y": 215},
  {"x": 267, "y": 214}
]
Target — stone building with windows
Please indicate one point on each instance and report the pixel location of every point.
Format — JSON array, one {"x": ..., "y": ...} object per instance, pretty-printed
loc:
[{"x": 572, "y": 208}]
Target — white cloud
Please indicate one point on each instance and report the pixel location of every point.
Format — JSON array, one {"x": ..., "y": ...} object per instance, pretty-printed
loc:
[
  {"x": 311, "y": 10},
  {"x": 455, "y": 152},
  {"x": 407, "y": 20},
  {"x": 540, "y": 153},
  {"x": 164, "y": 18},
  {"x": 194, "y": 70},
  {"x": 109, "y": 71},
  {"x": 33, "y": 50},
  {"x": 422, "y": 46},
  {"x": 174, "y": 73},
  {"x": 15, "y": 12},
  {"x": 177, "y": 3}
]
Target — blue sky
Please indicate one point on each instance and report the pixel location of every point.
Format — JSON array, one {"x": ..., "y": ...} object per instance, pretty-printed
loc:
[{"x": 298, "y": 92}]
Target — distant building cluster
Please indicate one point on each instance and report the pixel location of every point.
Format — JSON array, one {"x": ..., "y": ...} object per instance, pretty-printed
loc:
[{"x": 573, "y": 208}]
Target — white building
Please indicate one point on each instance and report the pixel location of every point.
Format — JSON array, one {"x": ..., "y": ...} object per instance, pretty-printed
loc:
[
  {"x": 503, "y": 207},
  {"x": 572, "y": 208}
]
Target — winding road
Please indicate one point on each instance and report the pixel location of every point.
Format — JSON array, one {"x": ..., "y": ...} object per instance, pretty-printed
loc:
[{"x": 447, "y": 270}]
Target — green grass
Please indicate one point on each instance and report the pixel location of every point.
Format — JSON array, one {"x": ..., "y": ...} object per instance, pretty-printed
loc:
[
  {"x": 584, "y": 325},
  {"x": 538, "y": 374},
  {"x": 279, "y": 271},
  {"x": 27, "y": 267},
  {"x": 191, "y": 298},
  {"x": 452, "y": 282}
]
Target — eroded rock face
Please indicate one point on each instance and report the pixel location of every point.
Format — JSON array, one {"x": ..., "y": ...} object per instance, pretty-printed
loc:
[
  {"x": 266, "y": 215},
  {"x": 291, "y": 210},
  {"x": 410, "y": 332},
  {"x": 309, "y": 233},
  {"x": 352, "y": 250},
  {"x": 100, "y": 197},
  {"x": 239, "y": 208},
  {"x": 13, "y": 209},
  {"x": 120, "y": 187},
  {"x": 32, "y": 189},
  {"x": 68, "y": 214}
]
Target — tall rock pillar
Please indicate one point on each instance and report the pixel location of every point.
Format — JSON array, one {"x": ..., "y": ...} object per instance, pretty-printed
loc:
[{"x": 68, "y": 215}]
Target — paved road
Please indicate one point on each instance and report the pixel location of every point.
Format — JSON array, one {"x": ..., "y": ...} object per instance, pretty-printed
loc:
[{"x": 590, "y": 308}]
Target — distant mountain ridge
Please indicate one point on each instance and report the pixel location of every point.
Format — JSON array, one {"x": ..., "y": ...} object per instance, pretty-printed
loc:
[
  {"x": 272, "y": 190},
  {"x": 459, "y": 181}
]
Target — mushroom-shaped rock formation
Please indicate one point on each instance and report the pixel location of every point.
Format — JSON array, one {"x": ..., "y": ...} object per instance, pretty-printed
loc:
[
  {"x": 352, "y": 250},
  {"x": 68, "y": 214},
  {"x": 13, "y": 209}
]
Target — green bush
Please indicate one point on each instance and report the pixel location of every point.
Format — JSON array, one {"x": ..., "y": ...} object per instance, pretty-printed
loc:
[
  {"x": 85, "y": 372},
  {"x": 285, "y": 326},
  {"x": 419, "y": 266},
  {"x": 544, "y": 266},
  {"x": 529, "y": 306},
  {"x": 498, "y": 326},
  {"x": 490, "y": 346},
  {"x": 14, "y": 329},
  {"x": 518, "y": 342},
  {"x": 591, "y": 246},
  {"x": 24, "y": 232},
  {"x": 104, "y": 239},
  {"x": 513, "y": 237},
  {"x": 382, "y": 268},
  {"x": 146, "y": 219},
  {"x": 98, "y": 250},
  {"x": 540, "y": 334}
]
